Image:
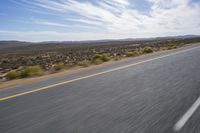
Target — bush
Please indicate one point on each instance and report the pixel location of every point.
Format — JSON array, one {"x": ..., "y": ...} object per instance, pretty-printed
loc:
[
  {"x": 12, "y": 75},
  {"x": 24, "y": 74},
  {"x": 97, "y": 61},
  {"x": 105, "y": 57},
  {"x": 163, "y": 48},
  {"x": 31, "y": 71},
  {"x": 117, "y": 58},
  {"x": 58, "y": 66},
  {"x": 84, "y": 63},
  {"x": 171, "y": 46},
  {"x": 96, "y": 56},
  {"x": 131, "y": 54},
  {"x": 100, "y": 58},
  {"x": 147, "y": 50}
]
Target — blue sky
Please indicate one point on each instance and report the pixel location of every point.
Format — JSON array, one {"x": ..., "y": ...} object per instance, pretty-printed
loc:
[{"x": 60, "y": 20}]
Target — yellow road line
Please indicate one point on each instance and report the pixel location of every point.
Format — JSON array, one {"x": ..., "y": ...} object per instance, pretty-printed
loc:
[{"x": 92, "y": 75}]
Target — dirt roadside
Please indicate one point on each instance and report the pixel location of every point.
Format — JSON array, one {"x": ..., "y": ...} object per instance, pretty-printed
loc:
[{"x": 19, "y": 82}]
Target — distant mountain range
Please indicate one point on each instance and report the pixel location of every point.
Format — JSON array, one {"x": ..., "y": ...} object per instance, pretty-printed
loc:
[{"x": 13, "y": 43}]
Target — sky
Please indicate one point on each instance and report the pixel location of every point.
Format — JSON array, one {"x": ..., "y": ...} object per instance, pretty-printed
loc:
[{"x": 74, "y": 20}]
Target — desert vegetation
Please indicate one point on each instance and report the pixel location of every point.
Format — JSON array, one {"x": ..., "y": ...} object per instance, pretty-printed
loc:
[
  {"x": 147, "y": 50},
  {"x": 25, "y": 72},
  {"x": 84, "y": 63},
  {"x": 133, "y": 53},
  {"x": 38, "y": 59},
  {"x": 100, "y": 58},
  {"x": 12, "y": 75},
  {"x": 58, "y": 66},
  {"x": 171, "y": 46}
]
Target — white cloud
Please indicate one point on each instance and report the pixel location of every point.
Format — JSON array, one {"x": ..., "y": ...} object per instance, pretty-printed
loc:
[
  {"x": 124, "y": 2},
  {"x": 89, "y": 22},
  {"x": 56, "y": 24},
  {"x": 165, "y": 17},
  {"x": 41, "y": 22}
]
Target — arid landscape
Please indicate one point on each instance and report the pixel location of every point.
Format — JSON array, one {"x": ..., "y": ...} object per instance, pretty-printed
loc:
[
  {"x": 99, "y": 66},
  {"x": 54, "y": 56}
]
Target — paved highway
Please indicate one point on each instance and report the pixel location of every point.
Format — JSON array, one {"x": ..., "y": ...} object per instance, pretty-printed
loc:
[{"x": 156, "y": 93}]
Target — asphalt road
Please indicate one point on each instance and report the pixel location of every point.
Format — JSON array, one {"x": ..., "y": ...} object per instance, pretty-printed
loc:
[{"x": 149, "y": 96}]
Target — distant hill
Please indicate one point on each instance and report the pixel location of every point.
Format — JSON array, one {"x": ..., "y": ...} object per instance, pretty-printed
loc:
[
  {"x": 11, "y": 44},
  {"x": 19, "y": 44}
]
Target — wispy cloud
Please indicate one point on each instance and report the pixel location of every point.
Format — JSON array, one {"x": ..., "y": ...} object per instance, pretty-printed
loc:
[
  {"x": 41, "y": 22},
  {"x": 89, "y": 22},
  {"x": 119, "y": 17},
  {"x": 56, "y": 24}
]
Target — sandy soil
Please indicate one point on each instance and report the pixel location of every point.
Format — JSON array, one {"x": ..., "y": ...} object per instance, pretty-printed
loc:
[{"x": 18, "y": 82}]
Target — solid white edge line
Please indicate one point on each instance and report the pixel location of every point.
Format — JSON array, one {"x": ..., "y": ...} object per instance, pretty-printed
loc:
[{"x": 182, "y": 121}]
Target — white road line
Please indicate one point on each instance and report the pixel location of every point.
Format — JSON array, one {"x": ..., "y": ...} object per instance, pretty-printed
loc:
[{"x": 182, "y": 121}]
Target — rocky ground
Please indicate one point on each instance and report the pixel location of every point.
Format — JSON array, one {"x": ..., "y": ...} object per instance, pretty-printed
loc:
[{"x": 45, "y": 55}]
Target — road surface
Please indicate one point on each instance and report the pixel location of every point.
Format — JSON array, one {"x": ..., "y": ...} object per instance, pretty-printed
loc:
[{"x": 155, "y": 93}]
